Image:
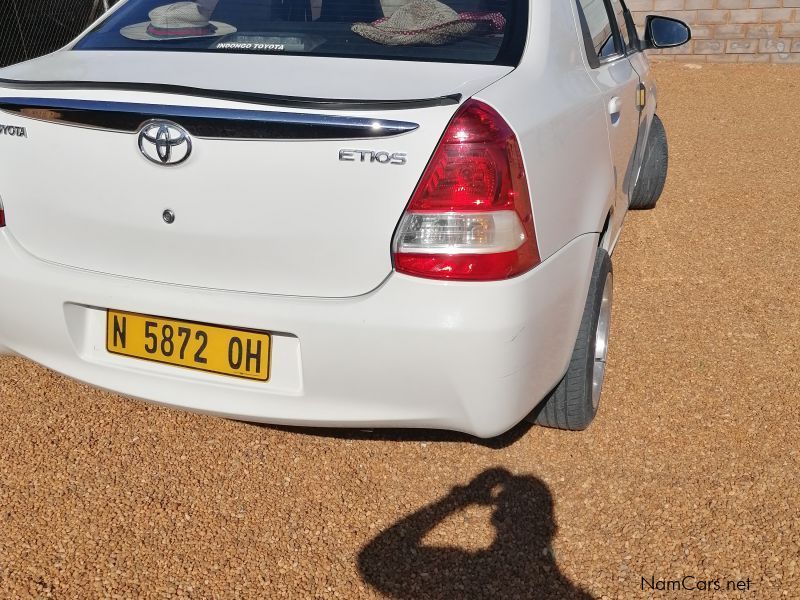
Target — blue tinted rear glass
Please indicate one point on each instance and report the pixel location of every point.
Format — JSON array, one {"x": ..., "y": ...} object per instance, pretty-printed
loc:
[{"x": 479, "y": 31}]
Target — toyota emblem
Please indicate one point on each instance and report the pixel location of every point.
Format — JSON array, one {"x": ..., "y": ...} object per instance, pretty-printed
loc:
[{"x": 164, "y": 142}]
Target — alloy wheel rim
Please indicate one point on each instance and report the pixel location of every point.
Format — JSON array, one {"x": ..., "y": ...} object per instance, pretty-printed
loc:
[{"x": 601, "y": 341}]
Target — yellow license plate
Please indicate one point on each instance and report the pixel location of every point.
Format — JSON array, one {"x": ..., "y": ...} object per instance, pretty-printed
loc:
[{"x": 222, "y": 350}]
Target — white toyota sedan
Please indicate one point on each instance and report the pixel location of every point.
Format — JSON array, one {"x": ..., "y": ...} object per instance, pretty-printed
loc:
[{"x": 349, "y": 213}]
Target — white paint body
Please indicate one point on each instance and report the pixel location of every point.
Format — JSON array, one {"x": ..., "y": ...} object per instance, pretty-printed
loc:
[{"x": 280, "y": 236}]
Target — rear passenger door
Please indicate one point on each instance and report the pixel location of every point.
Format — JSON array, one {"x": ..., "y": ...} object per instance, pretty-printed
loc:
[
  {"x": 608, "y": 43},
  {"x": 647, "y": 90}
]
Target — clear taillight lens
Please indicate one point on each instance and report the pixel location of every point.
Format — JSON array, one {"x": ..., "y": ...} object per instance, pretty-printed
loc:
[
  {"x": 460, "y": 233},
  {"x": 470, "y": 216}
]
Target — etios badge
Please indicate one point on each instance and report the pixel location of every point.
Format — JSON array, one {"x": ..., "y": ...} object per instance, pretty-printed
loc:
[{"x": 164, "y": 143}]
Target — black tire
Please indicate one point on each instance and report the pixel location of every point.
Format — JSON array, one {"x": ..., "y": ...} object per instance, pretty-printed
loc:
[
  {"x": 570, "y": 405},
  {"x": 653, "y": 173}
]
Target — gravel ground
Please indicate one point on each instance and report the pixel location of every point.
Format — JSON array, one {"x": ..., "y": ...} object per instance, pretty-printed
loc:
[{"x": 691, "y": 469}]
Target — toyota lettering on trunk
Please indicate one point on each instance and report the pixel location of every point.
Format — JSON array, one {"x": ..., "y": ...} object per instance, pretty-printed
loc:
[{"x": 13, "y": 131}]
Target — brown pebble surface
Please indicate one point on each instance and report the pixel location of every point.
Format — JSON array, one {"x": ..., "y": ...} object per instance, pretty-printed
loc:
[{"x": 691, "y": 469}]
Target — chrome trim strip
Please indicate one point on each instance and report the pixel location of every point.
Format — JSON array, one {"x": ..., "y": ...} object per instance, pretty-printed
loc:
[
  {"x": 204, "y": 122},
  {"x": 249, "y": 97},
  {"x": 612, "y": 58}
]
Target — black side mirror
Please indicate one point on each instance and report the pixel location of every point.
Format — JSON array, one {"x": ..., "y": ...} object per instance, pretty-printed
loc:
[{"x": 665, "y": 32}]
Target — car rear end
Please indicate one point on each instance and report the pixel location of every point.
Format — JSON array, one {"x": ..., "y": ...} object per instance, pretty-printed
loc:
[{"x": 197, "y": 227}]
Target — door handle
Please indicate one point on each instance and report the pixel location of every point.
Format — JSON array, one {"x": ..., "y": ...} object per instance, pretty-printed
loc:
[{"x": 614, "y": 109}]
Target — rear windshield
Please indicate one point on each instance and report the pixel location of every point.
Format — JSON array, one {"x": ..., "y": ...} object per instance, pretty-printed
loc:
[{"x": 471, "y": 31}]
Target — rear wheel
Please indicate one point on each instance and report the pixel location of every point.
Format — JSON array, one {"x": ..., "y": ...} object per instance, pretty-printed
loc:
[
  {"x": 653, "y": 173},
  {"x": 574, "y": 401}
]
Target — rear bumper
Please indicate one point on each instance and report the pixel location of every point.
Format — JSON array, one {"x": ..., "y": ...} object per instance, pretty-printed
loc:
[{"x": 470, "y": 357}]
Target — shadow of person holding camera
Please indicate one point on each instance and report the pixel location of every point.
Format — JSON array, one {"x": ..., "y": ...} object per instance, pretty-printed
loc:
[{"x": 518, "y": 564}]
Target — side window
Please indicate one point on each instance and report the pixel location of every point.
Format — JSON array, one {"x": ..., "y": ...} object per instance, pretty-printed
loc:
[
  {"x": 600, "y": 30},
  {"x": 622, "y": 23}
]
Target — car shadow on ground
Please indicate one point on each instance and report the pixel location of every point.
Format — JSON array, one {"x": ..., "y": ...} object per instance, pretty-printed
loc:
[
  {"x": 409, "y": 435},
  {"x": 519, "y": 563}
]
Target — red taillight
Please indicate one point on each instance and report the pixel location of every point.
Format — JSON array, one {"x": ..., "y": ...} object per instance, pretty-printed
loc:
[
  {"x": 2, "y": 218},
  {"x": 470, "y": 216}
]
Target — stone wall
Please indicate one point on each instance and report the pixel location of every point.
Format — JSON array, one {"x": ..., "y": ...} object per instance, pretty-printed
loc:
[{"x": 730, "y": 30}]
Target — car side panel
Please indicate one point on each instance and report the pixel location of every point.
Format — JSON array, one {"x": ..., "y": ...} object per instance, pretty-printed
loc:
[
  {"x": 642, "y": 66},
  {"x": 557, "y": 113}
]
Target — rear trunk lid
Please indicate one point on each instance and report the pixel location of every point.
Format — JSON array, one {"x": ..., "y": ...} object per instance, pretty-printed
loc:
[{"x": 295, "y": 193}]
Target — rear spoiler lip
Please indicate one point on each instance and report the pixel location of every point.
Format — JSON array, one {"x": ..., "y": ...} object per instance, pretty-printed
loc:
[
  {"x": 204, "y": 122},
  {"x": 236, "y": 96}
]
